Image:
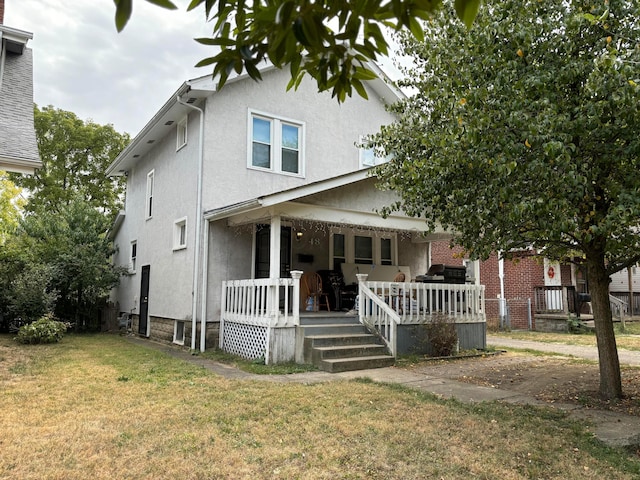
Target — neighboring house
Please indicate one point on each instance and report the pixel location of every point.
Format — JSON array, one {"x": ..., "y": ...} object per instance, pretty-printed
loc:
[
  {"x": 626, "y": 284},
  {"x": 18, "y": 146},
  {"x": 232, "y": 193},
  {"x": 528, "y": 292}
]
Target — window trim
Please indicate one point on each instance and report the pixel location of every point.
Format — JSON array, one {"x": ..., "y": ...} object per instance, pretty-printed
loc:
[
  {"x": 148, "y": 204},
  {"x": 133, "y": 255},
  {"x": 178, "y": 225},
  {"x": 276, "y": 156},
  {"x": 179, "y": 341},
  {"x": 363, "y": 153},
  {"x": 181, "y": 133},
  {"x": 349, "y": 239}
]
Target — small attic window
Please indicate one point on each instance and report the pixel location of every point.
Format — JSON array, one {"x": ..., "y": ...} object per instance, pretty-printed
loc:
[{"x": 181, "y": 137}]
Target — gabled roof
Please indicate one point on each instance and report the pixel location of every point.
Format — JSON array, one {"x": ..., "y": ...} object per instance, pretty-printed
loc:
[
  {"x": 193, "y": 91},
  {"x": 18, "y": 145}
]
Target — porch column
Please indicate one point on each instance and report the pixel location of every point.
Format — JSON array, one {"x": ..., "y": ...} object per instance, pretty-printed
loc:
[
  {"x": 273, "y": 299},
  {"x": 274, "y": 253}
]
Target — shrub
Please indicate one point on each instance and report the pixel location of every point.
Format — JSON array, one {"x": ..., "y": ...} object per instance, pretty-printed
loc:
[
  {"x": 44, "y": 330},
  {"x": 440, "y": 335}
]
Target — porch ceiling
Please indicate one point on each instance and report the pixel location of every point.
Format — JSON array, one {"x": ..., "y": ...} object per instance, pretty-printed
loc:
[{"x": 335, "y": 216}]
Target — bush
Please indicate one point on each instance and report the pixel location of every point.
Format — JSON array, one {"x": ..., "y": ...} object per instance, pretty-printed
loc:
[
  {"x": 44, "y": 330},
  {"x": 440, "y": 334}
]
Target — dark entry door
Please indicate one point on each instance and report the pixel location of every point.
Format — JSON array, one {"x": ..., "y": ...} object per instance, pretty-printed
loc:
[
  {"x": 263, "y": 242},
  {"x": 144, "y": 301}
]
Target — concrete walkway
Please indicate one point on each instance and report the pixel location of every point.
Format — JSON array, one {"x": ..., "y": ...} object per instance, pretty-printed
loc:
[
  {"x": 627, "y": 357},
  {"x": 614, "y": 429}
]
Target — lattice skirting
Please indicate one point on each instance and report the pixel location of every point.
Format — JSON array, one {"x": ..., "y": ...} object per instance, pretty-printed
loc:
[{"x": 247, "y": 341}]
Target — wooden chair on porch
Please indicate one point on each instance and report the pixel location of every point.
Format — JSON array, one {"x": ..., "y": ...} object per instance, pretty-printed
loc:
[{"x": 311, "y": 287}]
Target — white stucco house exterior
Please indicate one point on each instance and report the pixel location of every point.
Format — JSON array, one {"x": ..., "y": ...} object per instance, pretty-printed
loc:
[{"x": 232, "y": 193}]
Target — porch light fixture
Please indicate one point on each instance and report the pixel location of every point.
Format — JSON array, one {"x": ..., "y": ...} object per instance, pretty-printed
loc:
[{"x": 299, "y": 236}]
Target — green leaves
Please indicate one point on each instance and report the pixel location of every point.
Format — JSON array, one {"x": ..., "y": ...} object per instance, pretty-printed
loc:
[
  {"x": 332, "y": 42},
  {"x": 522, "y": 134},
  {"x": 467, "y": 10},
  {"x": 125, "y": 7}
]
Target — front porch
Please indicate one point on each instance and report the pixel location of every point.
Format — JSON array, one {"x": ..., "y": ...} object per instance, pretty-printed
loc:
[{"x": 262, "y": 319}]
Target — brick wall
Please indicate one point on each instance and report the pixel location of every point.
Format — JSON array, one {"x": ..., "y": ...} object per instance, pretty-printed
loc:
[
  {"x": 162, "y": 331},
  {"x": 1, "y": 12},
  {"x": 521, "y": 275}
]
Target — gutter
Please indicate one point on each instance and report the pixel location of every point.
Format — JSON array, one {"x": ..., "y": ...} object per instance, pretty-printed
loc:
[{"x": 196, "y": 253}]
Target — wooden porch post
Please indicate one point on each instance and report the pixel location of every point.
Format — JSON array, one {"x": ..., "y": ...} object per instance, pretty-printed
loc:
[
  {"x": 274, "y": 253},
  {"x": 274, "y": 264}
]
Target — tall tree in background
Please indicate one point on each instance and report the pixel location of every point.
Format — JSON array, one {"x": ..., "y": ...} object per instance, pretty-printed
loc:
[
  {"x": 11, "y": 204},
  {"x": 58, "y": 257},
  {"x": 525, "y": 133},
  {"x": 75, "y": 155}
]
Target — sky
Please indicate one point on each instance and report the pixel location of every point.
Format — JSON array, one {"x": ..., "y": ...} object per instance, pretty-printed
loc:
[{"x": 82, "y": 65}]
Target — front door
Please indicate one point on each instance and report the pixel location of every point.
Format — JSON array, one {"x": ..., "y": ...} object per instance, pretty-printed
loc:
[
  {"x": 144, "y": 301},
  {"x": 263, "y": 242}
]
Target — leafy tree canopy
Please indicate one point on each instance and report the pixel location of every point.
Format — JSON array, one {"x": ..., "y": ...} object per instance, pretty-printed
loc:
[
  {"x": 75, "y": 155},
  {"x": 525, "y": 133},
  {"x": 11, "y": 203},
  {"x": 330, "y": 41}
]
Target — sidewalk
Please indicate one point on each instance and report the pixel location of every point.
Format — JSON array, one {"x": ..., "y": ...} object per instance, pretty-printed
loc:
[
  {"x": 613, "y": 429},
  {"x": 627, "y": 357}
]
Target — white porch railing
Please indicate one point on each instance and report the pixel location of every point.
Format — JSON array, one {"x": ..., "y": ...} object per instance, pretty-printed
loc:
[
  {"x": 252, "y": 311},
  {"x": 266, "y": 302},
  {"x": 385, "y": 305},
  {"x": 379, "y": 317},
  {"x": 619, "y": 308}
]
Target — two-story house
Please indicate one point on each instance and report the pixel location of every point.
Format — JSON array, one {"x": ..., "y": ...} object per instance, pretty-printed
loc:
[
  {"x": 18, "y": 146},
  {"x": 232, "y": 195}
]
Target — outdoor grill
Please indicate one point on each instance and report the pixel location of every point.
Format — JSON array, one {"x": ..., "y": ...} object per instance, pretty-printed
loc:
[{"x": 441, "y": 273}]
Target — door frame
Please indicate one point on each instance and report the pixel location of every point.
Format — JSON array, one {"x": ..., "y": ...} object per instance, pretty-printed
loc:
[{"x": 143, "y": 318}]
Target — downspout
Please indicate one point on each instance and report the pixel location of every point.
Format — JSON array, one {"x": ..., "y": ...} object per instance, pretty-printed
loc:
[
  {"x": 196, "y": 253},
  {"x": 2, "y": 59},
  {"x": 203, "y": 295},
  {"x": 503, "y": 302}
]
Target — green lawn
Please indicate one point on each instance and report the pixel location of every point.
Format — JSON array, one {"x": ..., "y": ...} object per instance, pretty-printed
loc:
[{"x": 99, "y": 407}]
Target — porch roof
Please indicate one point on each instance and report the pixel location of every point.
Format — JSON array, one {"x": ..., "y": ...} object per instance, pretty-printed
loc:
[{"x": 287, "y": 204}]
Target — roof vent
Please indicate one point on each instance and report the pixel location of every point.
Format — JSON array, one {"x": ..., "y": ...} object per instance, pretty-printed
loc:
[
  {"x": 150, "y": 141},
  {"x": 136, "y": 156},
  {"x": 191, "y": 100},
  {"x": 170, "y": 122}
]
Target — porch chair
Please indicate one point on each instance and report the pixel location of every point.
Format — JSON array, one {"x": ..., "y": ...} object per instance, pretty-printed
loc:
[{"x": 311, "y": 285}]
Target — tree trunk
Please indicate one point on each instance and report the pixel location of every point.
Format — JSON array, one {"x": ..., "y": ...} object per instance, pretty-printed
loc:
[{"x": 610, "y": 380}]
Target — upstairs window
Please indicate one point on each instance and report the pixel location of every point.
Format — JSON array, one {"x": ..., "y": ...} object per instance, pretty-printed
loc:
[
  {"x": 181, "y": 137},
  {"x": 370, "y": 157},
  {"x": 149, "y": 202},
  {"x": 275, "y": 144}
]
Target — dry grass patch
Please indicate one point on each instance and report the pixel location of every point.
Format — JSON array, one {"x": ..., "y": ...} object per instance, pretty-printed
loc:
[
  {"x": 629, "y": 340},
  {"x": 99, "y": 407}
]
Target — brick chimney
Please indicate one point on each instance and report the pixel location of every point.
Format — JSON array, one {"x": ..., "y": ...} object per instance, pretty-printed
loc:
[{"x": 1, "y": 12}]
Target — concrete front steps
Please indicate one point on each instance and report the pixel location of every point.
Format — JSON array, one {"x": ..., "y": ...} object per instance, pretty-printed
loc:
[{"x": 335, "y": 342}]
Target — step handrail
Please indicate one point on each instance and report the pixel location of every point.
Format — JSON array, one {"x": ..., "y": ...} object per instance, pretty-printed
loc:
[{"x": 375, "y": 314}]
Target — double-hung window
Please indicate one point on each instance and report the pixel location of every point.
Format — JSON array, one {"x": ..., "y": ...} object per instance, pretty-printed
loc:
[
  {"x": 134, "y": 256},
  {"x": 276, "y": 144},
  {"x": 149, "y": 202}
]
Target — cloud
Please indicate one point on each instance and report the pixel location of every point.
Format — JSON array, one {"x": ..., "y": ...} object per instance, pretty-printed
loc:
[{"x": 81, "y": 64}]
